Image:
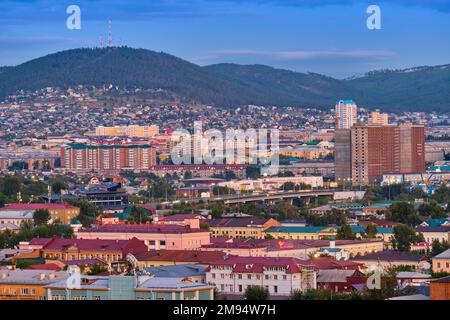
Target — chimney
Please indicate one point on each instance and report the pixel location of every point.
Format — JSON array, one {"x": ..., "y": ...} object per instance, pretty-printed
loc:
[
  {"x": 4, "y": 275},
  {"x": 42, "y": 276},
  {"x": 52, "y": 276}
]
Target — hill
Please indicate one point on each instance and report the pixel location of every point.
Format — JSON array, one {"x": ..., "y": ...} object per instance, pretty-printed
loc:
[{"x": 226, "y": 85}]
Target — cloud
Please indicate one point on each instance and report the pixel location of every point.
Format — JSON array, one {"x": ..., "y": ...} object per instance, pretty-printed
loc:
[{"x": 304, "y": 55}]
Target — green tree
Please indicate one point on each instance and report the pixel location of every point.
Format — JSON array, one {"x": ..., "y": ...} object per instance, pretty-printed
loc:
[
  {"x": 433, "y": 209},
  {"x": 404, "y": 235},
  {"x": 345, "y": 232},
  {"x": 256, "y": 293},
  {"x": 438, "y": 247},
  {"x": 41, "y": 216},
  {"x": 403, "y": 212},
  {"x": 371, "y": 231}
]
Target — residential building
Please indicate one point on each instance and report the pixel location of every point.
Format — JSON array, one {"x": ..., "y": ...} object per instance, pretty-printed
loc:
[
  {"x": 107, "y": 157},
  {"x": 378, "y": 118},
  {"x": 345, "y": 114},
  {"x": 441, "y": 262},
  {"x": 390, "y": 258},
  {"x": 157, "y": 258},
  {"x": 27, "y": 284},
  {"x": 343, "y": 156},
  {"x": 131, "y": 131},
  {"x": 15, "y": 217},
  {"x": 58, "y": 211},
  {"x": 155, "y": 236},
  {"x": 83, "y": 249},
  {"x": 241, "y": 227},
  {"x": 377, "y": 150},
  {"x": 280, "y": 276},
  {"x": 440, "y": 233},
  {"x": 340, "y": 280}
]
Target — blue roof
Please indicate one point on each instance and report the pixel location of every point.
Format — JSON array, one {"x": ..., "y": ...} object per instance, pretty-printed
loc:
[{"x": 436, "y": 222}]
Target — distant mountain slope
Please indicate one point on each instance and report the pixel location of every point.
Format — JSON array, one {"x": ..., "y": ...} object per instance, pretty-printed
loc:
[
  {"x": 226, "y": 85},
  {"x": 291, "y": 87},
  {"x": 421, "y": 88}
]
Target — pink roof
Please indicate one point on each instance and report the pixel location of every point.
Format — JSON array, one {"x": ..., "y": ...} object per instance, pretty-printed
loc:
[
  {"x": 142, "y": 228},
  {"x": 258, "y": 264},
  {"x": 132, "y": 245},
  {"x": 47, "y": 266},
  {"x": 35, "y": 206},
  {"x": 324, "y": 263},
  {"x": 178, "y": 217}
]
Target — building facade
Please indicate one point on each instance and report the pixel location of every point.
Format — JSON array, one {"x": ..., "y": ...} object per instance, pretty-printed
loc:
[
  {"x": 80, "y": 157},
  {"x": 346, "y": 114},
  {"x": 377, "y": 150},
  {"x": 281, "y": 276}
]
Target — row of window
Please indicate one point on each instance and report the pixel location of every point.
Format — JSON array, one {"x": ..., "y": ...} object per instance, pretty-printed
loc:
[{"x": 247, "y": 276}]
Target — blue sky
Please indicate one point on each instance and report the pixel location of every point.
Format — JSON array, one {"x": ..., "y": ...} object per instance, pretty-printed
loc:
[{"x": 323, "y": 36}]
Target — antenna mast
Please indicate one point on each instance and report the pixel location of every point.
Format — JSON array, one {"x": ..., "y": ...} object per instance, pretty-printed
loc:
[{"x": 110, "y": 38}]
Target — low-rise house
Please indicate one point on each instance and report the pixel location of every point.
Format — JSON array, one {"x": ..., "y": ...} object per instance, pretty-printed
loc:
[
  {"x": 241, "y": 227},
  {"x": 15, "y": 217},
  {"x": 390, "y": 258},
  {"x": 301, "y": 249},
  {"x": 27, "y": 284},
  {"x": 155, "y": 258},
  {"x": 408, "y": 278},
  {"x": 58, "y": 211},
  {"x": 440, "y": 233},
  {"x": 441, "y": 262},
  {"x": 281, "y": 276},
  {"x": 155, "y": 236},
  {"x": 81, "y": 249},
  {"x": 340, "y": 280},
  {"x": 131, "y": 288},
  {"x": 191, "y": 220}
]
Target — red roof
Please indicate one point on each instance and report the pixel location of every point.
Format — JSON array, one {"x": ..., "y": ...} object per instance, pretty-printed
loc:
[
  {"x": 178, "y": 217},
  {"x": 60, "y": 244},
  {"x": 259, "y": 264},
  {"x": 35, "y": 206},
  {"x": 330, "y": 263},
  {"x": 48, "y": 266},
  {"x": 192, "y": 256}
]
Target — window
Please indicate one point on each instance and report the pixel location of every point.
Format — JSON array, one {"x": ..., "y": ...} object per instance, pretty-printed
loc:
[
  {"x": 275, "y": 289},
  {"x": 249, "y": 276},
  {"x": 240, "y": 288},
  {"x": 97, "y": 298},
  {"x": 24, "y": 291}
]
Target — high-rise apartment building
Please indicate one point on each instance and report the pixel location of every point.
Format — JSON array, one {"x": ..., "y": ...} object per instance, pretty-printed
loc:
[
  {"x": 378, "y": 118},
  {"x": 132, "y": 131},
  {"x": 343, "y": 155},
  {"x": 81, "y": 157},
  {"x": 346, "y": 114},
  {"x": 377, "y": 150}
]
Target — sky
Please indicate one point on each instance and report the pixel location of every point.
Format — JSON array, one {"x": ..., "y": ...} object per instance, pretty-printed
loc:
[{"x": 323, "y": 36}]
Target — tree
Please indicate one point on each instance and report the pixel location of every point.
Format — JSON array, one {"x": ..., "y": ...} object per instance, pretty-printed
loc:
[
  {"x": 438, "y": 247},
  {"x": 41, "y": 216},
  {"x": 286, "y": 211},
  {"x": 138, "y": 215},
  {"x": 403, "y": 212},
  {"x": 256, "y": 293},
  {"x": 345, "y": 232},
  {"x": 371, "y": 231},
  {"x": 187, "y": 175},
  {"x": 404, "y": 235},
  {"x": 10, "y": 185},
  {"x": 433, "y": 209}
]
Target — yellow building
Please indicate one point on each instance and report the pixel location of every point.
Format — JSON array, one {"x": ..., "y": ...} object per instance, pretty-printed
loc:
[
  {"x": 58, "y": 211},
  {"x": 27, "y": 284},
  {"x": 241, "y": 228}
]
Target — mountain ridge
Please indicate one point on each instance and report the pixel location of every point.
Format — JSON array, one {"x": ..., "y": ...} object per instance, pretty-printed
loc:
[{"x": 229, "y": 84}]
